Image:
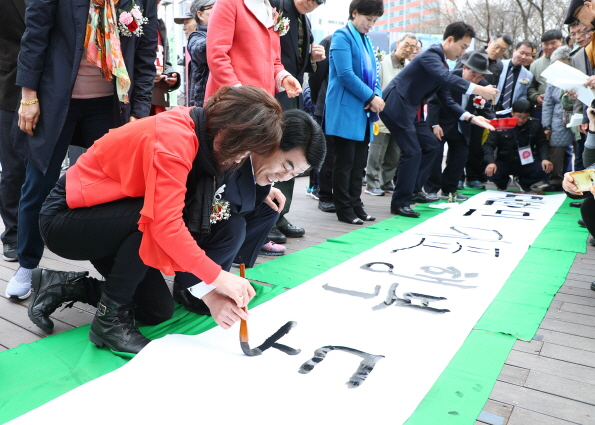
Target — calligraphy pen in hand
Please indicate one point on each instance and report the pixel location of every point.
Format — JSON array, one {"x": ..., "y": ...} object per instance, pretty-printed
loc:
[{"x": 269, "y": 342}]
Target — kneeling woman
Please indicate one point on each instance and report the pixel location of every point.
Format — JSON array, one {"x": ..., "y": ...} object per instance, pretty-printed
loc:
[{"x": 135, "y": 205}]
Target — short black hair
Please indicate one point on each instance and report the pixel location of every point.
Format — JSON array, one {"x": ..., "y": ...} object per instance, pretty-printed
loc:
[
  {"x": 458, "y": 30},
  {"x": 302, "y": 132},
  {"x": 527, "y": 43},
  {"x": 504, "y": 37},
  {"x": 573, "y": 24},
  {"x": 522, "y": 106},
  {"x": 366, "y": 7},
  {"x": 552, "y": 35}
]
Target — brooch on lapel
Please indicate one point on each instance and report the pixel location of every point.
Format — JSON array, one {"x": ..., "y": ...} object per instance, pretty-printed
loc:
[
  {"x": 281, "y": 23},
  {"x": 479, "y": 102},
  {"x": 131, "y": 23},
  {"x": 524, "y": 81},
  {"x": 220, "y": 209}
]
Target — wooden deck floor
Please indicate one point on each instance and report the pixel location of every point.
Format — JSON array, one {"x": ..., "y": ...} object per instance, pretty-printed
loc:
[{"x": 548, "y": 381}]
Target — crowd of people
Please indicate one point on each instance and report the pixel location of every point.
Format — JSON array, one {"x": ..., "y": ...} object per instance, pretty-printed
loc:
[{"x": 191, "y": 190}]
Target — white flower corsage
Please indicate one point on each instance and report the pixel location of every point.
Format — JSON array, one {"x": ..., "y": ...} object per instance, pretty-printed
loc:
[
  {"x": 220, "y": 210},
  {"x": 524, "y": 81},
  {"x": 281, "y": 23},
  {"x": 131, "y": 23},
  {"x": 379, "y": 54},
  {"x": 479, "y": 102}
]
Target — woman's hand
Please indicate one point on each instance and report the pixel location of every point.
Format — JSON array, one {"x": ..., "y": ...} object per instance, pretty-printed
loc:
[
  {"x": 224, "y": 311},
  {"x": 291, "y": 86},
  {"x": 376, "y": 105},
  {"x": 28, "y": 114},
  {"x": 491, "y": 169},
  {"x": 569, "y": 186},
  {"x": 235, "y": 287}
]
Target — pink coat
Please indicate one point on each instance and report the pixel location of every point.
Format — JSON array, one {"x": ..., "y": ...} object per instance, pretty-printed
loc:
[{"x": 240, "y": 49}]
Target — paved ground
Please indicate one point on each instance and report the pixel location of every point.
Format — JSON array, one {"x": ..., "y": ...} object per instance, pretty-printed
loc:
[{"x": 548, "y": 381}]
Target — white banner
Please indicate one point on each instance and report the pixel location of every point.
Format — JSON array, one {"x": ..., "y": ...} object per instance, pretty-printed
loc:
[{"x": 389, "y": 328}]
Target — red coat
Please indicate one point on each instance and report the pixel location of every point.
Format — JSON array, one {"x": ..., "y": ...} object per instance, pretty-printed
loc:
[{"x": 240, "y": 49}]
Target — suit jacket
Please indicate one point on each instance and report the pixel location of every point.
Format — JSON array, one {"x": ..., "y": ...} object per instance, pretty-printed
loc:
[
  {"x": 423, "y": 77},
  {"x": 448, "y": 119},
  {"x": 161, "y": 89},
  {"x": 520, "y": 90},
  {"x": 241, "y": 49},
  {"x": 51, "y": 52},
  {"x": 347, "y": 94},
  {"x": 289, "y": 47},
  {"x": 10, "y": 44},
  {"x": 241, "y": 191},
  {"x": 580, "y": 62}
]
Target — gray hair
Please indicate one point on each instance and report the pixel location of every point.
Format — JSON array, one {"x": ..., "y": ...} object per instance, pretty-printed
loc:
[
  {"x": 407, "y": 35},
  {"x": 561, "y": 53}
]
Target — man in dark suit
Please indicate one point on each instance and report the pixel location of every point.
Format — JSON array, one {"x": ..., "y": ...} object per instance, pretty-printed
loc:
[
  {"x": 254, "y": 205},
  {"x": 447, "y": 128},
  {"x": 299, "y": 54},
  {"x": 13, "y": 166},
  {"x": 66, "y": 101},
  {"x": 403, "y": 114}
]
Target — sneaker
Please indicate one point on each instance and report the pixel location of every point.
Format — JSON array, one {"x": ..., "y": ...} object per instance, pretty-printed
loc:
[
  {"x": 389, "y": 189},
  {"x": 460, "y": 186},
  {"x": 374, "y": 192},
  {"x": 19, "y": 286},
  {"x": 454, "y": 197},
  {"x": 315, "y": 193},
  {"x": 272, "y": 249},
  {"x": 10, "y": 252},
  {"x": 517, "y": 183},
  {"x": 432, "y": 197},
  {"x": 539, "y": 185},
  {"x": 474, "y": 184},
  {"x": 309, "y": 191}
]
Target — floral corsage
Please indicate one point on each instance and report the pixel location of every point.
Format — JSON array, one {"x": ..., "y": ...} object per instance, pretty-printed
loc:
[
  {"x": 220, "y": 209},
  {"x": 525, "y": 81},
  {"x": 131, "y": 23},
  {"x": 379, "y": 54},
  {"x": 281, "y": 23},
  {"x": 479, "y": 102}
]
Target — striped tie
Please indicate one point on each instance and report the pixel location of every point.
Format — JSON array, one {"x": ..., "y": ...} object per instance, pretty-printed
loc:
[{"x": 508, "y": 87}]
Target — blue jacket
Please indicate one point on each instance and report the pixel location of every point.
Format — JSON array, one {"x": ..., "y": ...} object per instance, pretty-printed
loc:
[
  {"x": 416, "y": 83},
  {"x": 347, "y": 94},
  {"x": 51, "y": 52}
]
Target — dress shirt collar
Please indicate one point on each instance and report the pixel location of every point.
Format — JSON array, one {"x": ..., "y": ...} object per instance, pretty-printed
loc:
[{"x": 263, "y": 11}]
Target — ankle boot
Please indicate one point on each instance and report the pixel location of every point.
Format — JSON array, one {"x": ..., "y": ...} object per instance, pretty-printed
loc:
[
  {"x": 114, "y": 326},
  {"x": 52, "y": 288},
  {"x": 189, "y": 301}
]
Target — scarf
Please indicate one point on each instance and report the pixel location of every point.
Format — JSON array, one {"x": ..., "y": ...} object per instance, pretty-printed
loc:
[
  {"x": 202, "y": 181},
  {"x": 102, "y": 42},
  {"x": 368, "y": 62},
  {"x": 590, "y": 51}
]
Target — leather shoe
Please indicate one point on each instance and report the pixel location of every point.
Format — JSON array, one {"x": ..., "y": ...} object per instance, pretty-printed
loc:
[
  {"x": 404, "y": 211},
  {"x": 576, "y": 204},
  {"x": 421, "y": 197},
  {"x": 276, "y": 236},
  {"x": 326, "y": 206},
  {"x": 581, "y": 222},
  {"x": 291, "y": 231},
  {"x": 593, "y": 286},
  {"x": 189, "y": 301}
]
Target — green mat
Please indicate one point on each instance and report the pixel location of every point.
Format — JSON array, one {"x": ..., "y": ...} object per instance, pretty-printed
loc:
[{"x": 35, "y": 373}]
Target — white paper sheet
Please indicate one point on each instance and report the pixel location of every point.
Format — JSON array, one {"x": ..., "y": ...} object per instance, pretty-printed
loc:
[
  {"x": 207, "y": 379},
  {"x": 569, "y": 78}
]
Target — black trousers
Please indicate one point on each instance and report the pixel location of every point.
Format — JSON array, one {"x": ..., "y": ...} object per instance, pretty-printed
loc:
[
  {"x": 325, "y": 176},
  {"x": 528, "y": 174},
  {"x": 475, "y": 165},
  {"x": 419, "y": 148},
  {"x": 351, "y": 157},
  {"x": 448, "y": 180},
  {"x": 588, "y": 213}
]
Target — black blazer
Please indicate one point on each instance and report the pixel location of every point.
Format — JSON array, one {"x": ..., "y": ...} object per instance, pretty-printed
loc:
[
  {"x": 241, "y": 191},
  {"x": 424, "y": 76},
  {"x": 448, "y": 120},
  {"x": 289, "y": 47},
  {"x": 10, "y": 41},
  {"x": 51, "y": 52}
]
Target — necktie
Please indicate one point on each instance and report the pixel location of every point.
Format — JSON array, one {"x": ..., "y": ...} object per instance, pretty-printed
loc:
[{"x": 508, "y": 87}]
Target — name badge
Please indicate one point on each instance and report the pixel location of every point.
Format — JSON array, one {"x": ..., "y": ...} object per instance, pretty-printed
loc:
[{"x": 526, "y": 156}]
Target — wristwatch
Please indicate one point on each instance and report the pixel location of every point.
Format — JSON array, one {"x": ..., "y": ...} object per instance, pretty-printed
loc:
[{"x": 470, "y": 118}]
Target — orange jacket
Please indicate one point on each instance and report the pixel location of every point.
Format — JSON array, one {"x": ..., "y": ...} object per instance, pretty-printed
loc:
[{"x": 148, "y": 158}]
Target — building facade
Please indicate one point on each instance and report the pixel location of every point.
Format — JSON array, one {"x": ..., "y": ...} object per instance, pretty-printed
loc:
[{"x": 417, "y": 16}]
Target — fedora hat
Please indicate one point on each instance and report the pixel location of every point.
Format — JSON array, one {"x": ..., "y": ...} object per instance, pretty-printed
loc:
[
  {"x": 478, "y": 62},
  {"x": 574, "y": 4}
]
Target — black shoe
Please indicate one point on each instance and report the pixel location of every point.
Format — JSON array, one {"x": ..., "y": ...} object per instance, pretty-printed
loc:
[
  {"x": 593, "y": 286},
  {"x": 432, "y": 197},
  {"x": 53, "y": 288},
  {"x": 421, "y": 197},
  {"x": 576, "y": 204},
  {"x": 276, "y": 236},
  {"x": 581, "y": 222},
  {"x": 592, "y": 241},
  {"x": 189, "y": 301},
  {"x": 326, "y": 206},
  {"x": 404, "y": 211},
  {"x": 362, "y": 215},
  {"x": 350, "y": 218},
  {"x": 474, "y": 184},
  {"x": 291, "y": 231},
  {"x": 10, "y": 252},
  {"x": 114, "y": 326}
]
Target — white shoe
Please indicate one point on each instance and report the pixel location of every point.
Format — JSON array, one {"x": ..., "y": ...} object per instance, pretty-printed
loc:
[{"x": 19, "y": 286}]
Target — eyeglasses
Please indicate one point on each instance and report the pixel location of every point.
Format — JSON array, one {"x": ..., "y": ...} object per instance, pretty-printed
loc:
[{"x": 577, "y": 11}]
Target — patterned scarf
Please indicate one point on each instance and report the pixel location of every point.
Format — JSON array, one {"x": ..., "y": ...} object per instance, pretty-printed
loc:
[{"x": 102, "y": 42}]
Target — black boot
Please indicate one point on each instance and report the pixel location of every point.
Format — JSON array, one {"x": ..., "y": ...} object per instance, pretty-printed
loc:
[
  {"x": 189, "y": 301},
  {"x": 52, "y": 288},
  {"x": 114, "y": 326}
]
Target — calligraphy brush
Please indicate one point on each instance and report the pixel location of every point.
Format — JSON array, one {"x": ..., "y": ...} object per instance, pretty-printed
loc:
[{"x": 244, "y": 327}]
